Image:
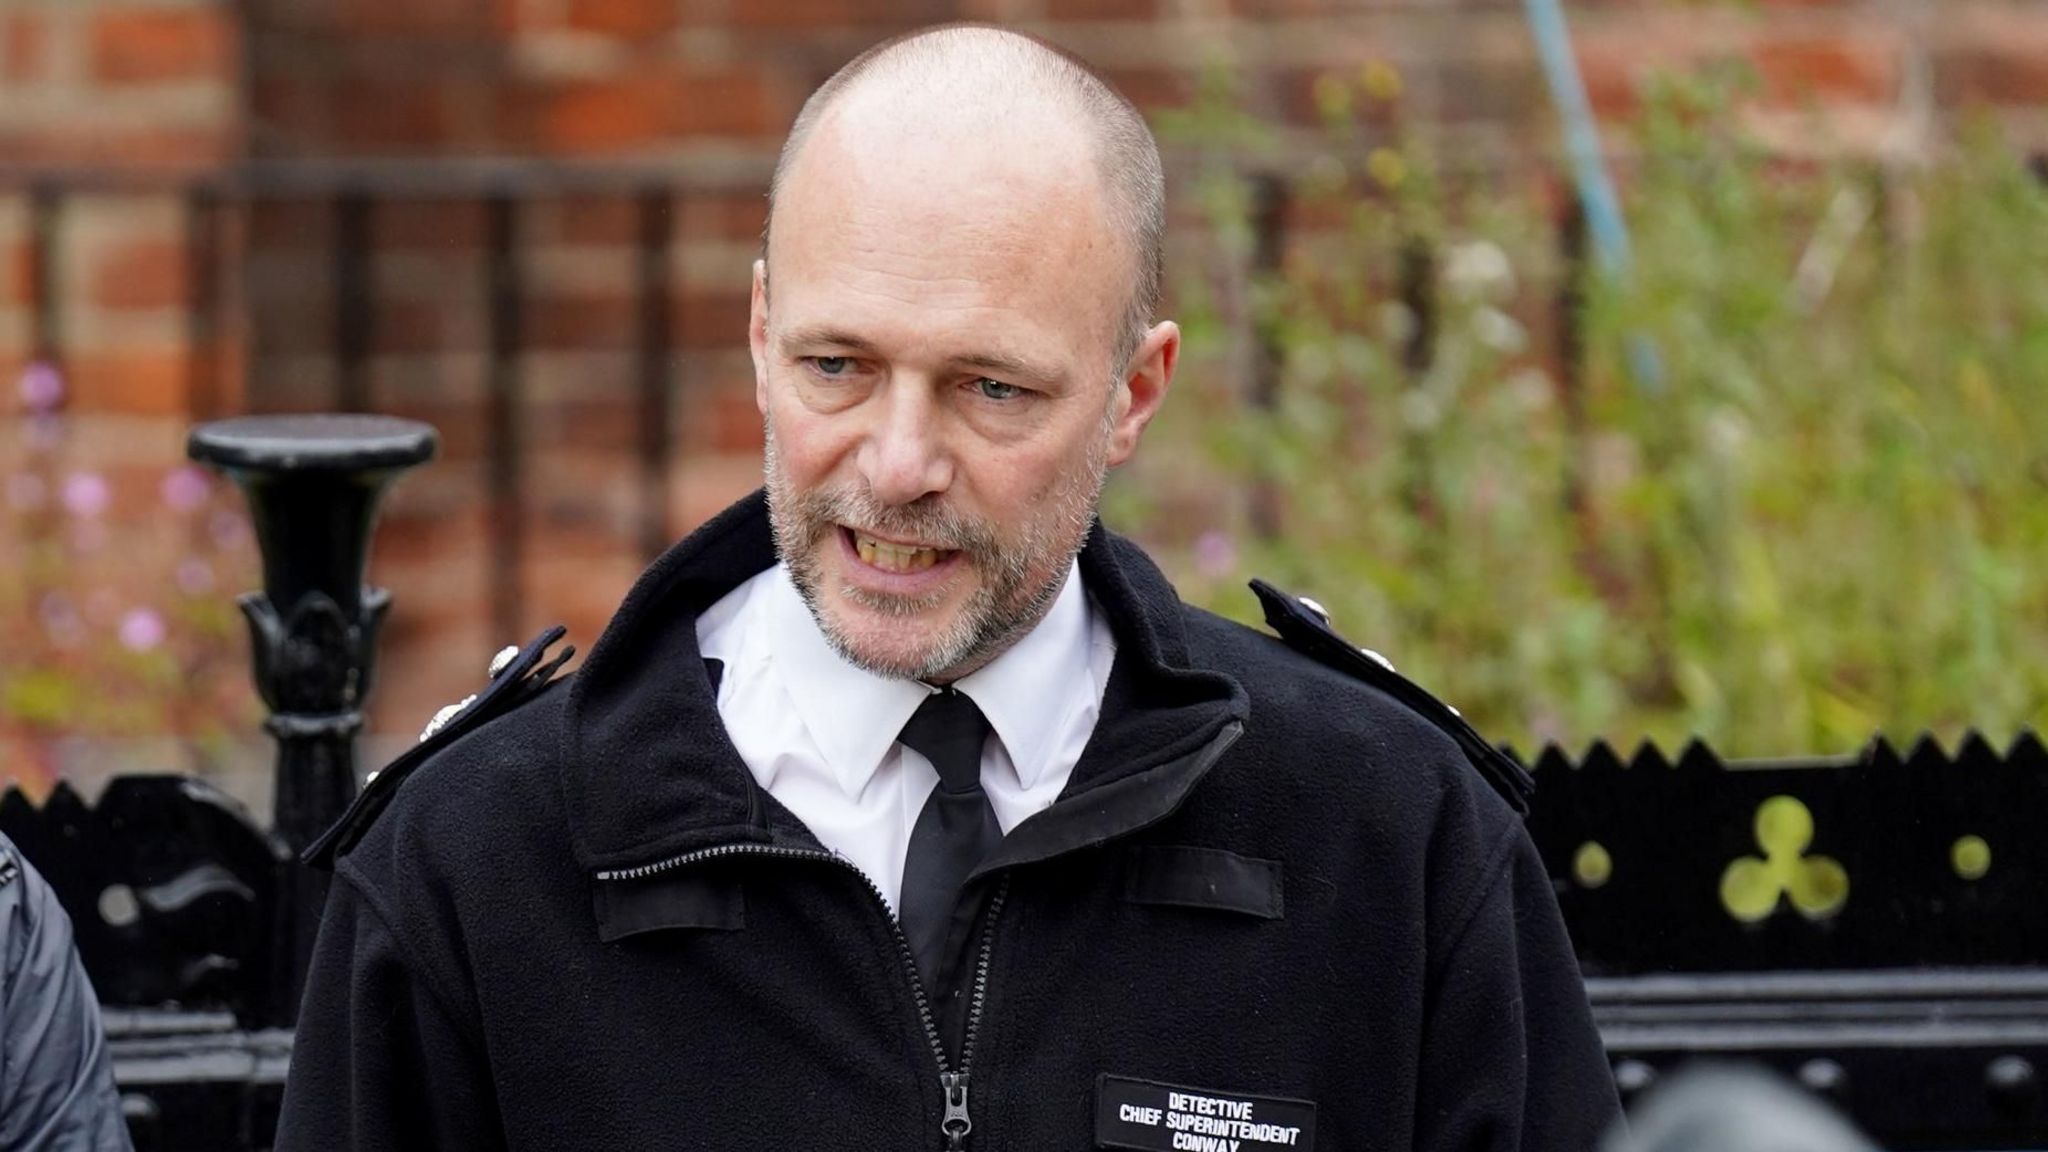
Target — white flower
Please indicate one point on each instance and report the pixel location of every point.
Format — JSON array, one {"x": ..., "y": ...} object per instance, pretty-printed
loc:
[
  {"x": 1499, "y": 331},
  {"x": 1478, "y": 270},
  {"x": 1726, "y": 433},
  {"x": 1420, "y": 410}
]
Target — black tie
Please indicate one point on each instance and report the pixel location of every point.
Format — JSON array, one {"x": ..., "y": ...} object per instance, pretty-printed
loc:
[{"x": 956, "y": 831}]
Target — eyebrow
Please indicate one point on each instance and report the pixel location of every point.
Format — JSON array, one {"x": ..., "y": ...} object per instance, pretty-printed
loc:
[
  {"x": 994, "y": 362},
  {"x": 815, "y": 337}
]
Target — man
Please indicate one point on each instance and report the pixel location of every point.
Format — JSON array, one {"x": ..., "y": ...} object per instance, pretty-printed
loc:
[
  {"x": 902, "y": 806},
  {"x": 56, "y": 1077}
]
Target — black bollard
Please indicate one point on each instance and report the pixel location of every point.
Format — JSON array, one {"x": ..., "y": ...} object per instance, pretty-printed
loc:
[{"x": 313, "y": 483}]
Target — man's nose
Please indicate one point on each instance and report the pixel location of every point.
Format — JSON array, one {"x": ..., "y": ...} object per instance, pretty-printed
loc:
[{"x": 905, "y": 456}]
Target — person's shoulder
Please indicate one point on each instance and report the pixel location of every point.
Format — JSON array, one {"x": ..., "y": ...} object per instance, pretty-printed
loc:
[
  {"x": 506, "y": 764},
  {"x": 1325, "y": 708},
  {"x": 1311, "y": 699},
  {"x": 1337, "y": 761},
  {"x": 482, "y": 786}
]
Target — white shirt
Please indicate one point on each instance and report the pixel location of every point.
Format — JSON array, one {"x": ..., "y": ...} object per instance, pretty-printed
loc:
[{"x": 820, "y": 734}]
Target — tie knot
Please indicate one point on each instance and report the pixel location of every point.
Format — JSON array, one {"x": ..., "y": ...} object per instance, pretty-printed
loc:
[{"x": 948, "y": 730}]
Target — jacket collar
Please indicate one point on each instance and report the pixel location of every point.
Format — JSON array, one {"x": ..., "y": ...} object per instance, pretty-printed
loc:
[{"x": 651, "y": 774}]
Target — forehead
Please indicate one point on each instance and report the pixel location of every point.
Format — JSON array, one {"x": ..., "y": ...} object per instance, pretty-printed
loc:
[{"x": 962, "y": 220}]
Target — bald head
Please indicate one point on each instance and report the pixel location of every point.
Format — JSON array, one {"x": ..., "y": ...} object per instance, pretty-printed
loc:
[{"x": 965, "y": 88}]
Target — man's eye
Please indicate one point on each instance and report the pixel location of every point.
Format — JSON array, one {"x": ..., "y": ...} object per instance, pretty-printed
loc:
[
  {"x": 997, "y": 390},
  {"x": 831, "y": 365}
]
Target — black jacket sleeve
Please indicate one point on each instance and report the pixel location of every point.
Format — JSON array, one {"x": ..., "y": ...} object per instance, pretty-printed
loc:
[
  {"x": 380, "y": 1061},
  {"x": 1511, "y": 1060}
]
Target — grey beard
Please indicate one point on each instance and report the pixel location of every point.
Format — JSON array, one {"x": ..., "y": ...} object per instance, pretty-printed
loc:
[{"x": 1005, "y": 606}]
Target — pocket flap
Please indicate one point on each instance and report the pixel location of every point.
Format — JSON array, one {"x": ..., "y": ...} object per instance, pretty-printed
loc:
[
  {"x": 678, "y": 900},
  {"x": 1210, "y": 878}
]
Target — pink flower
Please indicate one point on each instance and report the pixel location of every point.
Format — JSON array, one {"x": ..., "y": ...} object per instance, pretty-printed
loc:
[
  {"x": 141, "y": 630},
  {"x": 1215, "y": 555},
  {"x": 41, "y": 387},
  {"x": 86, "y": 494},
  {"x": 185, "y": 488}
]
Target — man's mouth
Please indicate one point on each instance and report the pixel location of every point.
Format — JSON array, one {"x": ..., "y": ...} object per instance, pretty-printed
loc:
[{"x": 893, "y": 557}]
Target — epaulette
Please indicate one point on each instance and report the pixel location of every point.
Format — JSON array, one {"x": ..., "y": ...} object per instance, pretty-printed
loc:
[
  {"x": 1303, "y": 624},
  {"x": 517, "y": 676}
]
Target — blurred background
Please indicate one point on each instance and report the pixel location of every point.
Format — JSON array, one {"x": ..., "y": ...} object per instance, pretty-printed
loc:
[{"x": 1759, "y": 458}]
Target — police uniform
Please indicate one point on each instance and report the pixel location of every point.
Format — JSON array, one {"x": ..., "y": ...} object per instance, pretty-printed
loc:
[{"x": 1284, "y": 901}]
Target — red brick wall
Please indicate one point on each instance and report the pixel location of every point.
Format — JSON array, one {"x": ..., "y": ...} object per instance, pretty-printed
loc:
[
  {"x": 132, "y": 83},
  {"x": 704, "y": 89},
  {"x": 138, "y": 86}
]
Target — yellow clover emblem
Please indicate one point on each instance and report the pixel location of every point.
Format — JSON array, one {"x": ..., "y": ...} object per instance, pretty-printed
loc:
[{"x": 1817, "y": 886}]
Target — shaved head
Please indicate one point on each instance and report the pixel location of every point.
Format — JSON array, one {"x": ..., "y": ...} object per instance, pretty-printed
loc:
[{"x": 981, "y": 85}]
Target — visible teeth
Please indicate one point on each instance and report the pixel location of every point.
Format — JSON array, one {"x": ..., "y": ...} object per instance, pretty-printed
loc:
[{"x": 894, "y": 557}]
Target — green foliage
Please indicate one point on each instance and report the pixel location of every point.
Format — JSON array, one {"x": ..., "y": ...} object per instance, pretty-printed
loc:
[{"x": 1824, "y": 517}]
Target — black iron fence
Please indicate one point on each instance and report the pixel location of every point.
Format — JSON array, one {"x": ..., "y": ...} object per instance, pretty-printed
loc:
[{"x": 1871, "y": 925}]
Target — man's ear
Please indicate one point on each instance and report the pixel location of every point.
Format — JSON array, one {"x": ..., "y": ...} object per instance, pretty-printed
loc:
[
  {"x": 1145, "y": 381},
  {"x": 757, "y": 334}
]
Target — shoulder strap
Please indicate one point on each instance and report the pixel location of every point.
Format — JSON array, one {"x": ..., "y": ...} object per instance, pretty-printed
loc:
[
  {"x": 1305, "y": 626},
  {"x": 514, "y": 682}
]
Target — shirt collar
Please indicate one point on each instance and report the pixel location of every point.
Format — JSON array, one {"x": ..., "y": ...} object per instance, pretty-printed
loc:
[
  {"x": 852, "y": 714},
  {"x": 1031, "y": 688},
  {"x": 855, "y": 715}
]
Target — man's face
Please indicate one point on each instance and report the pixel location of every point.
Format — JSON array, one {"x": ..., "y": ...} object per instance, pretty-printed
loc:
[{"x": 935, "y": 381}]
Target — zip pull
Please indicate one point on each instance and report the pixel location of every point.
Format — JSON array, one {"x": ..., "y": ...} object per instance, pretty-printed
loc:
[{"x": 956, "y": 1125}]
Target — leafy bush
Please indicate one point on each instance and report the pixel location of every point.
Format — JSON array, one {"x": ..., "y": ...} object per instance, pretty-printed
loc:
[{"x": 1821, "y": 516}]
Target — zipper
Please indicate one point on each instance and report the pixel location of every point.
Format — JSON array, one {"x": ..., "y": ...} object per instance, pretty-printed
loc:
[{"x": 956, "y": 1123}]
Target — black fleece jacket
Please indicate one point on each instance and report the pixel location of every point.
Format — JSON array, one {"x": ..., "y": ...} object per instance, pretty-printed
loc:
[{"x": 1273, "y": 909}]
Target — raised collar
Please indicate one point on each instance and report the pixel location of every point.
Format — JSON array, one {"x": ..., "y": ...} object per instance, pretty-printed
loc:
[
  {"x": 854, "y": 715},
  {"x": 650, "y": 773}
]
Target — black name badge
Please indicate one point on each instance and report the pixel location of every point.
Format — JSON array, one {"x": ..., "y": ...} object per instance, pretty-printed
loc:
[{"x": 1143, "y": 1114}]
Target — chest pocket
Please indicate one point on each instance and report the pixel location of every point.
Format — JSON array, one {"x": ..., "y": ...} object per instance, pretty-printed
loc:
[{"x": 1208, "y": 878}]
